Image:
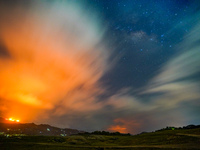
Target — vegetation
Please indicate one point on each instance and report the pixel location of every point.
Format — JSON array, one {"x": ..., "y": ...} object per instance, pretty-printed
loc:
[
  {"x": 182, "y": 138},
  {"x": 104, "y": 133}
]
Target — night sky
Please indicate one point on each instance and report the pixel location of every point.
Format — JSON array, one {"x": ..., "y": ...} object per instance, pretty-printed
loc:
[{"x": 114, "y": 65}]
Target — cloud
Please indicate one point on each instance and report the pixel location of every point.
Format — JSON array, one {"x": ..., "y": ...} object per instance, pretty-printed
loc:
[
  {"x": 176, "y": 87},
  {"x": 124, "y": 126},
  {"x": 4, "y": 54},
  {"x": 56, "y": 60},
  {"x": 178, "y": 78},
  {"x": 171, "y": 98}
]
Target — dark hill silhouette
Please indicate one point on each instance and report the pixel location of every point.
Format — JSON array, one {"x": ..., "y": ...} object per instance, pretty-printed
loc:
[{"x": 10, "y": 128}]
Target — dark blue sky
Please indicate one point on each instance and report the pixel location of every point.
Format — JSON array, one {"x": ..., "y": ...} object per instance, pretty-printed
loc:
[{"x": 159, "y": 25}]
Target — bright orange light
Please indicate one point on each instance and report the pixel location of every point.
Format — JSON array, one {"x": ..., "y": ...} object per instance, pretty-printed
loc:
[
  {"x": 34, "y": 64},
  {"x": 11, "y": 119}
]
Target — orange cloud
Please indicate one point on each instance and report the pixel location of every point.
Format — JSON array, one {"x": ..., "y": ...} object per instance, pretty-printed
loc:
[
  {"x": 118, "y": 128},
  {"x": 124, "y": 126},
  {"x": 54, "y": 60}
]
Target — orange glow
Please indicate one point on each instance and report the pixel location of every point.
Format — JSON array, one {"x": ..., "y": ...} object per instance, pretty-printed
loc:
[
  {"x": 48, "y": 68},
  {"x": 13, "y": 120},
  {"x": 124, "y": 125},
  {"x": 118, "y": 128}
]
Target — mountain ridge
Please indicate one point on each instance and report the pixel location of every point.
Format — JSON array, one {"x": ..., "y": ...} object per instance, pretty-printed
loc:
[
  {"x": 31, "y": 129},
  {"x": 16, "y": 128}
]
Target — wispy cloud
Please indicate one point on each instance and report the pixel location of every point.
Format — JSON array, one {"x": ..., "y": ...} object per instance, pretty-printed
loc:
[
  {"x": 57, "y": 58},
  {"x": 164, "y": 100},
  {"x": 178, "y": 79}
]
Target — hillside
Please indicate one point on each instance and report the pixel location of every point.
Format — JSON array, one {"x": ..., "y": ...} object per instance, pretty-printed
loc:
[
  {"x": 9, "y": 128},
  {"x": 183, "y": 138}
]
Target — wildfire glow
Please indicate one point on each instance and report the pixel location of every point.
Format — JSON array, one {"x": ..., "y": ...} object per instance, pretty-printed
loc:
[
  {"x": 13, "y": 120},
  {"x": 118, "y": 128},
  {"x": 50, "y": 65}
]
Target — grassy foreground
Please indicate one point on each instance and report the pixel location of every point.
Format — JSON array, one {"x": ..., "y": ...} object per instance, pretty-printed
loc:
[{"x": 186, "y": 139}]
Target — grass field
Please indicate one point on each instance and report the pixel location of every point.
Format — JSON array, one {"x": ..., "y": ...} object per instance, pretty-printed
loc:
[{"x": 186, "y": 139}]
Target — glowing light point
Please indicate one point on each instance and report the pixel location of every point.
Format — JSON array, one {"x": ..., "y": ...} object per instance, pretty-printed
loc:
[{"x": 11, "y": 119}]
